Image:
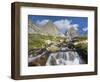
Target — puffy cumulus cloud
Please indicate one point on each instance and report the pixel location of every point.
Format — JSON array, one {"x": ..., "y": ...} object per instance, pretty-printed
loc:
[
  {"x": 75, "y": 26},
  {"x": 62, "y": 24},
  {"x": 42, "y": 22},
  {"x": 65, "y": 24},
  {"x": 85, "y": 29}
]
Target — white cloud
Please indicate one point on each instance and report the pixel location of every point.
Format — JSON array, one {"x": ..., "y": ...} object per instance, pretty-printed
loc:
[
  {"x": 65, "y": 24},
  {"x": 75, "y": 26},
  {"x": 41, "y": 23},
  {"x": 85, "y": 29},
  {"x": 62, "y": 23}
]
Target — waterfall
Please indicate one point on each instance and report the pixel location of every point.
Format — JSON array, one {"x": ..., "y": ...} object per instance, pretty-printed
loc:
[{"x": 64, "y": 58}]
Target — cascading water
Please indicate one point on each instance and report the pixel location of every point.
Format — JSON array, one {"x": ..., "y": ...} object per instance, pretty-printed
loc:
[{"x": 64, "y": 58}]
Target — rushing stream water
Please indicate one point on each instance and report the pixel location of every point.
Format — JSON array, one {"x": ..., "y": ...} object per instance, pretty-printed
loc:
[{"x": 64, "y": 58}]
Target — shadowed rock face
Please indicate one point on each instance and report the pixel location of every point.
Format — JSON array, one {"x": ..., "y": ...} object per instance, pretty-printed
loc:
[{"x": 71, "y": 33}]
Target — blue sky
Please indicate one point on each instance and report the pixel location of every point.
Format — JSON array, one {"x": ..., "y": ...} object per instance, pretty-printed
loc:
[{"x": 62, "y": 22}]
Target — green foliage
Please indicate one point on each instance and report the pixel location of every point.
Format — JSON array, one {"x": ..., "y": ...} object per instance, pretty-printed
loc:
[
  {"x": 82, "y": 48},
  {"x": 81, "y": 38},
  {"x": 34, "y": 41},
  {"x": 37, "y": 40}
]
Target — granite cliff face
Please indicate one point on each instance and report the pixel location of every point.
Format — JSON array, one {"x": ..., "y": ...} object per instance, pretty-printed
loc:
[
  {"x": 32, "y": 28},
  {"x": 48, "y": 29}
]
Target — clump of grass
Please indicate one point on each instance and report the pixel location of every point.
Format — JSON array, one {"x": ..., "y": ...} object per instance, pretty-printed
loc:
[{"x": 38, "y": 41}]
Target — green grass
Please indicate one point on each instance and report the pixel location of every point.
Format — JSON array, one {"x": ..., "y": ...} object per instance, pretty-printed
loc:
[
  {"x": 82, "y": 46},
  {"x": 37, "y": 40},
  {"x": 81, "y": 38}
]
